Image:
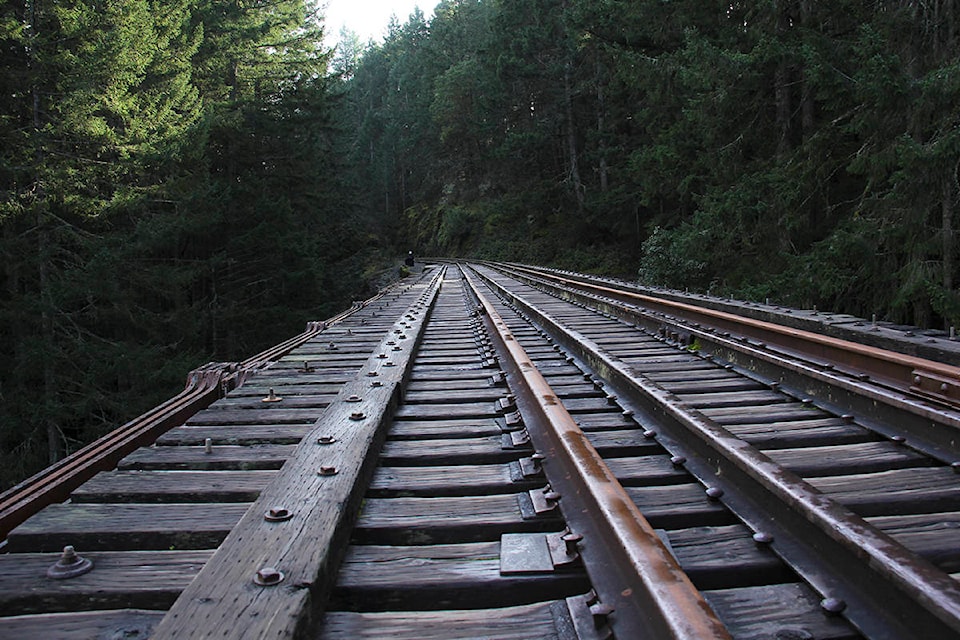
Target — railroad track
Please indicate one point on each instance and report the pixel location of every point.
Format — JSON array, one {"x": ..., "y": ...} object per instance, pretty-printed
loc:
[{"x": 482, "y": 454}]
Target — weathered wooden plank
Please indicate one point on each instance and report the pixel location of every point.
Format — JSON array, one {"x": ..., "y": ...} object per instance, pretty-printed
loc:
[
  {"x": 173, "y": 486},
  {"x": 274, "y": 415},
  {"x": 450, "y": 576},
  {"x": 844, "y": 459},
  {"x": 233, "y": 457},
  {"x": 122, "y": 527},
  {"x": 622, "y": 442},
  {"x": 124, "y": 623},
  {"x": 509, "y": 623},
  {"x": 777, "y": 611},
  {"x": 236, "y": 434},
  {"x": 800, "y": 433},
  {"x": 725, "y": 384},
  {"x": 720, "y": 399},
  {"x": 452, "y": 396},
  {"x": 475, "y": 410},
  {"x": 288, "y": 400},
  {"x": 725, "y": 557},
  {"x": 487, "y": 450},
  {"x": 459, "y": 480},
  {"x": 898, "y": 492},
  {"x": 307, "y": 547},
  {"x": 433, "y": 429},
  {"x": 934, "y": 536},
  {"x": 773, "y": 413},
  {"x": 647, "y": 470},
  {"x": 119, "y": 579},
  {"x": 590, "y": 422},
  {"x": 440, "y": 520},
  {"x": 678, "y": 506}
]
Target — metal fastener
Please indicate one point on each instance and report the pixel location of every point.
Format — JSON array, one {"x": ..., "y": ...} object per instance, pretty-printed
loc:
[
  {"x": 327, "y": 471},
  {"x": 357, "y": 416},
  {"x": 277, "y": 514},
  {"x": 762, "y": 537},
  {"x": 714, "y": 493},
  {"x": 833, "y": 605},
  {"x": 271, "y": 397},
  {"x": 649, "y": 434},
  {"x": 354, "y": 398},
  {"x": 678, "y": 461},
  {"x": 268, "y": 577},
  {"x": 70, "y": 565},
  {"x": 208, "y": 445},
  {"x": 571, "y": 540},
  {"x": 326, "y": 440}
]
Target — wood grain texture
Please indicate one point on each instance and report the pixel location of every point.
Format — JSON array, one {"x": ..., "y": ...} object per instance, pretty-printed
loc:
[
  {"x": 119, "y": 579},
  {"x": 124, "y": 623},
  {"x": 307, "y": 548}
]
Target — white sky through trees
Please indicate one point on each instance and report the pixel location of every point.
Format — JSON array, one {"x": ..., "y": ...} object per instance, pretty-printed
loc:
[{"x": 369, "y": 18}]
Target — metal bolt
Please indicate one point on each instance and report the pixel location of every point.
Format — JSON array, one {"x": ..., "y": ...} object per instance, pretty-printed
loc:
[
  {"x": 354, "y": 398},
  {"x": 70, "y": 565},
  {"x": 552, "y": 496},
  {"x": 306, "y": 367},
  {"x": 376, "y": 383},
  {"x": 847, "y": 417},
  {"x": 833, "y": 605},
  {"x": 649, "y": 434},
  {"x": 277, "y": 514},
  {"x": 762, "y": 537},
  {"x": 678, "y": 461},
  {"x": 208, "y": 445},
  {"x": 714, "y": 493},
  {"x": 898, "y": 439},
  {"x": 382, "y": 356},
  {"x": 326, "y": 440},
  {"x": 571, "y": 540},
  {"x": 332, "y": 346},
  {"x": 271, "y": 397},
  {"x": 357, "y": 416},
  {"x": 327, "y": 471},
  {"x": 268, "y": 577},
  {"x": 600, "y": 612},
  {"x": 372, "y": 374}
]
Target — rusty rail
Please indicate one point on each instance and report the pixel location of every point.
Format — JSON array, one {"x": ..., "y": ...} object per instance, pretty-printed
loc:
[
  {"x": 650, "y": 594},
  {"x": 877, "y": 574},
  {"x": 927, "y": 378},
  {"x": 204, "y": 386}
]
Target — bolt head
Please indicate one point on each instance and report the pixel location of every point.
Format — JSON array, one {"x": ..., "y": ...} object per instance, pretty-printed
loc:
[
  {"x": 356, "y": 416},
  {"x": 327, "y": 471},
  {"x": 833, "y": 605},
  {"x": 268, "y": 576}
]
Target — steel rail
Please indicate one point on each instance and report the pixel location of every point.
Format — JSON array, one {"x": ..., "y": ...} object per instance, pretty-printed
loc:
[
  {"x": 837, "y": 551},
  {"x": 204, "y": 386},
  {"x": 921, "y": 376},
  {"x": 925, "y": 426},
  {"x": 651, "y": 595}
]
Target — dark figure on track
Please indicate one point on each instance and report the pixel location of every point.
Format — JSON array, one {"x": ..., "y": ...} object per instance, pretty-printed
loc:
[{"x": 409, "y": 259}]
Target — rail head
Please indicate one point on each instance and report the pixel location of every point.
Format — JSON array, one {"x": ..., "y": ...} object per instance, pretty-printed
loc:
[{"x": 639, "y": 570}]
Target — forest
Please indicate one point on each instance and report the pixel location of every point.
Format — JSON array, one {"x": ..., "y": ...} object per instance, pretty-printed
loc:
[{"x": 192, "y": 180}]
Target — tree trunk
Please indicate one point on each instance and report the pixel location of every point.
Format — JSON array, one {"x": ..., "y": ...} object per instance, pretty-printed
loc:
[
  {"x": 601, "y": 131},
  {"x": 574, "y": 168},
  {"x": 946, "y": 211}
]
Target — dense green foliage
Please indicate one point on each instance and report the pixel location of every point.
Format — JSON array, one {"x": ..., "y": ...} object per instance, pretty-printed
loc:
[
  {"x": 187, "y": 180},
  {"x": 806, "y": 150},
  {"x": 168, "y": 196}
]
